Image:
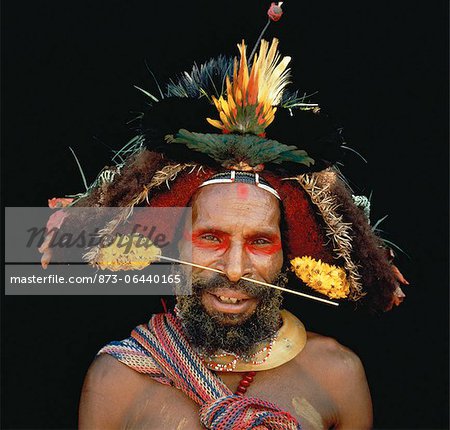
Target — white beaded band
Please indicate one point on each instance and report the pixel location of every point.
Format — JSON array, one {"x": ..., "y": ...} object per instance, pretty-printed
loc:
[{"x": 234, "y": 176}]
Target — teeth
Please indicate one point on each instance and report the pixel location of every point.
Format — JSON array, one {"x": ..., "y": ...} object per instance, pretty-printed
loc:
[{"x": 228, "y": 299}]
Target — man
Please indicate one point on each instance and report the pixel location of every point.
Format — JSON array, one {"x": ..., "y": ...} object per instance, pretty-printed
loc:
[
  {"x": 237, "y": 230},
  {"x": 263, "y": 208}
]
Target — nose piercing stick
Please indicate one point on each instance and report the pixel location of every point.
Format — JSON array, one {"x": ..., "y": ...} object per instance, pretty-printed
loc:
[{"x": 298, "y": 293}]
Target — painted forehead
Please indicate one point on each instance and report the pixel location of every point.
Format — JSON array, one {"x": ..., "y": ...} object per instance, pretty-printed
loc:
[{"x": 246, "y": 202}]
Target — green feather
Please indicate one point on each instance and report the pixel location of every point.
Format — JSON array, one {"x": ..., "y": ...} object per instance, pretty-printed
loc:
[{"x": 247, "y": 148}]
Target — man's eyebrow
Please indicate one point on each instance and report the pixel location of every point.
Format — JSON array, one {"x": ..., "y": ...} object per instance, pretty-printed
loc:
[
  {"x": 268, "y": 233},
  {"x": 212, "y": 230}
]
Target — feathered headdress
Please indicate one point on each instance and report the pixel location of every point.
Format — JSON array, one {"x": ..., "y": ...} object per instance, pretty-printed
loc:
[
  {"x": 238, "y": 114},
  {"x": 246, "y": 99}
]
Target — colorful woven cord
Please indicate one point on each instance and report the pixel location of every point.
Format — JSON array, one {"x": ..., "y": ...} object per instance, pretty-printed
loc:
[
  {"x": 160, "y": 350},
  {"x": 238, "y": 412}
]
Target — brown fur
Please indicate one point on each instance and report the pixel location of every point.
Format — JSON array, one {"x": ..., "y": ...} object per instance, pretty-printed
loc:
[
  {"x": 368, "y": 250},
  {"x": 137, "y": 172}
]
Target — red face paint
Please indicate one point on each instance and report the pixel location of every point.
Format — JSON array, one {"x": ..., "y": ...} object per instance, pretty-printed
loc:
[
  {"x": 211, "y": 239},
  {"x": 242, "y": 191},
  {"x": 272, "y": 246}
]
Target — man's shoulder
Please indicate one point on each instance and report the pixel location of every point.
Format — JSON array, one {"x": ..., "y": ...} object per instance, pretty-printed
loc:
[
  {"x": 340, "y": 371},
  {"x": 107, "y": 379},
  {"x": 110, "y": 391},
  {"x": 105, "y": 370},
  {"x": 115, "y": 396},
  {"x": 330, "y": 358},
  {"x": 328, "y": 347},
  {"x": 108, "y": 375}
]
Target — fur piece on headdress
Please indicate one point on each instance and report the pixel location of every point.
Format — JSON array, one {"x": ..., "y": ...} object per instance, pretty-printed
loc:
[{"x": 336, "y": 229}]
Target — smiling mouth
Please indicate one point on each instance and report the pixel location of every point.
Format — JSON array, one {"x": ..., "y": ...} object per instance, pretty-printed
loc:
[
  {"x": 231, "y": 300},
  {"x": 227, "y": 300},
  {"x": 230, "y": 295}
]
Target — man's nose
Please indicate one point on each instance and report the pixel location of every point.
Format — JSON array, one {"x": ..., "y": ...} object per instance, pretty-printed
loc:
[{"x": 236, "y": 263}]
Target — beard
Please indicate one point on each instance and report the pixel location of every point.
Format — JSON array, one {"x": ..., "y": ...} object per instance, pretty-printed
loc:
[{"x": 215, "y": 332}]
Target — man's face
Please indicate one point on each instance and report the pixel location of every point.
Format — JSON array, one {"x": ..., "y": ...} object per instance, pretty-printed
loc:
[{"x": 235, "y": 229}]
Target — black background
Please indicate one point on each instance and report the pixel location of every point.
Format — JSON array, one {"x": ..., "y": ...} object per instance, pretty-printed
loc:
[{"x": 381, "y": 68}]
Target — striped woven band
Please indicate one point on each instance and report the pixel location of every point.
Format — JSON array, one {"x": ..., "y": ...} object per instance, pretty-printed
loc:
[{"x": 233, "y": 176}]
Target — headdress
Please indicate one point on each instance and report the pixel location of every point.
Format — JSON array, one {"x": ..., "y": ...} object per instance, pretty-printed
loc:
[{"x": 236, "y": 119}]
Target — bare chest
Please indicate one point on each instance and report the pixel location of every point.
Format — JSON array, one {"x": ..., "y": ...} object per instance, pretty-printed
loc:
[{"x": 164, "y": 407}]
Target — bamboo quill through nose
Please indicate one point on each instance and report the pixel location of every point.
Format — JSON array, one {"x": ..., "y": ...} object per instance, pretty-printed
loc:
[{"x": 308, "y": 296}]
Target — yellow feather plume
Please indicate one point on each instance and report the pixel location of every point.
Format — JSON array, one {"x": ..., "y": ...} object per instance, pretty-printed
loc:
[{"x": 251, "y": 97}]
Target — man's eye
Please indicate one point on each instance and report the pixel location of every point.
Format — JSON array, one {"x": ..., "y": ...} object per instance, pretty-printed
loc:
[
  {"x": 210, "y": 238},
  {"x": 260, "y": 241}
]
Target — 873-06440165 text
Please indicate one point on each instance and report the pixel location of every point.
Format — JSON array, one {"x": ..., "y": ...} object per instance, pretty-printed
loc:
[
  {"x": 96, "y": 278},
  {"x": 84, "y": 280}
]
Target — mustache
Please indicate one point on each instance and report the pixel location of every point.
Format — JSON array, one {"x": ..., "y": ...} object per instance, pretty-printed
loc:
[{"x": 200, "y": 285}]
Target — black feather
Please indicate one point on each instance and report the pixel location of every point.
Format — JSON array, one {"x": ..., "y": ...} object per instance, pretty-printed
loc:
[
  {"x": 313, "y": 132},
  {"x": 170, "y": 115},
  {"x": 208, "y": 78},
  {"x": 187, "y": 105}
]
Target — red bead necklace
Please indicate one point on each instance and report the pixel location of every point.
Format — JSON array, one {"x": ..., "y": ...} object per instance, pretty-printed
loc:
[{"x": 246, "y": 380}]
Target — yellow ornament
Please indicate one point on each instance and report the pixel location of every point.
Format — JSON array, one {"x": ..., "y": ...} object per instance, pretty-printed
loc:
[
  {"x": 324, "y": 278},
  {"x": 128, "y": 252}
]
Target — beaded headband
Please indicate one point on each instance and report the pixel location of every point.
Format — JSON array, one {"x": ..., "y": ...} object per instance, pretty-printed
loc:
[{"x": 234, "y": 176}]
